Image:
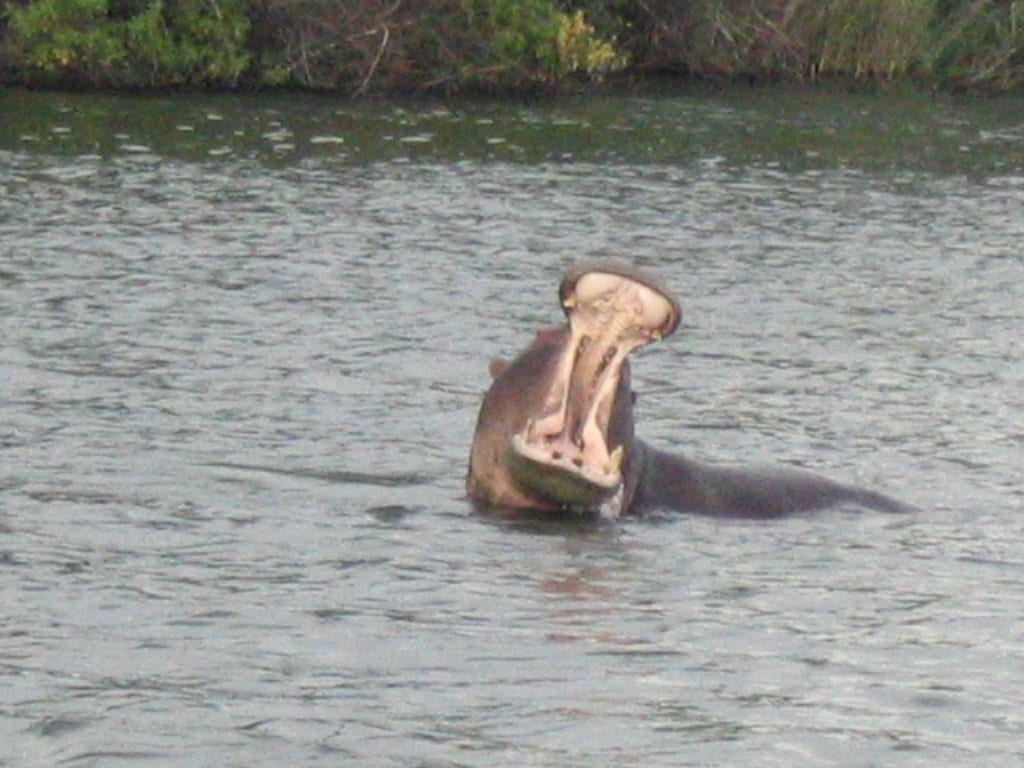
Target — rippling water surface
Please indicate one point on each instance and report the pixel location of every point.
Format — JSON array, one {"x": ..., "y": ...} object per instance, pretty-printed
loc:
[{"x": 242, "y": 344}]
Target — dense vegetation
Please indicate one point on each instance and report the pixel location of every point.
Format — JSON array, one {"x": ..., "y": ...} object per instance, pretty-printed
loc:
[{"x": 361, "y": 46}]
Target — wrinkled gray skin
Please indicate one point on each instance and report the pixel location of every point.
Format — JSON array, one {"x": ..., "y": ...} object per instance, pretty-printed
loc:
[{"x": 651, "y": 479}]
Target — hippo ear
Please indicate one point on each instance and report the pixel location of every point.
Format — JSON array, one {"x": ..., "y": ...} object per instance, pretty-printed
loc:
[{"x": 497, "y": 367}]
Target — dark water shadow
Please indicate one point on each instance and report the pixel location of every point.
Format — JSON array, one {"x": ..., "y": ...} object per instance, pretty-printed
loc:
[
  {"x": 382, "y": 480},
  {"x": 545, "y": 523},
  {"x": 392, "y": 515}
]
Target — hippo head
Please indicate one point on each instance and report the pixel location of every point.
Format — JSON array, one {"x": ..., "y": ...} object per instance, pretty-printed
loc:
[{"x": 555, "y": 430}]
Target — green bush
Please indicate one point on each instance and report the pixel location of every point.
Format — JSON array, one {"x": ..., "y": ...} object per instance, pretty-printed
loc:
[
  {"x": 209, "y": 41},
  {"x": 534, "y": 40},
  {"x": 494, "y": 43},
  {"x": 578, "y": 49},
  {"x": 150, "y": 44},
  {"x": 862, "y": 38},
  {"x": 980, "y": 43},
  {"x": 362, "y": 45},
  {"x": 65, "y": 37},
  {"x": 701, "y": 37}
]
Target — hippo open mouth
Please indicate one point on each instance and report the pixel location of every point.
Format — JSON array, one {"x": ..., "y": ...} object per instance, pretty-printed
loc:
[
  {"x": 565, "y": 452},
  {"x": 555, "y": 429}
]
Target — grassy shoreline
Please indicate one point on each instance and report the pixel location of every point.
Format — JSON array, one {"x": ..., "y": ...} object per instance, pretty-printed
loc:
[{"x": 370, "y": 47}]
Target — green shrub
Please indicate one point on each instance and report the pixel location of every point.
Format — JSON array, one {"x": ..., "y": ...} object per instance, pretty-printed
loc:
[
  {"x": 979, "y": 43},
  {"x": 578, "y": 49},
  {"x": 148, "y": 44},
  {"x": 360, "y": 45},
  {"x": 861, "y": 38},
  {"x": 65, "y": 37},
  {"x": 691, "y": 38}
]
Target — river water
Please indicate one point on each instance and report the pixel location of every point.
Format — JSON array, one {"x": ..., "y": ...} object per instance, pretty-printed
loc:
[{"x": 242, "y": 344}]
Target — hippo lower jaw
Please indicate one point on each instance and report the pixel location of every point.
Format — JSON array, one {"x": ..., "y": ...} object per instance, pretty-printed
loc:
[
  {"x": 568, "y": 480},
  {"x": 563, "y": 452}
]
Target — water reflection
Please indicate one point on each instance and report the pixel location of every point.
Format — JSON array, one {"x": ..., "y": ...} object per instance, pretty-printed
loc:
[{"x": 809, "y": 128}]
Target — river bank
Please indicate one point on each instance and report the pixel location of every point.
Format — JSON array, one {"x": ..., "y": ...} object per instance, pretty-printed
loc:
[{"x": 366, "y": 47}]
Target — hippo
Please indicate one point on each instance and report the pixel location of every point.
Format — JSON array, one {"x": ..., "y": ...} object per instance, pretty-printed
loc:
[{"x": 555, "y": 429}]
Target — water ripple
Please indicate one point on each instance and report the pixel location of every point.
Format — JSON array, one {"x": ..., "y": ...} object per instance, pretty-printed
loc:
[{"x": 238, "y": 392}]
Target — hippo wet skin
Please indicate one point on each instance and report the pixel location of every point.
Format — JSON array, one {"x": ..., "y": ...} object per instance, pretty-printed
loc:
[{"x": 555, "y": 430}]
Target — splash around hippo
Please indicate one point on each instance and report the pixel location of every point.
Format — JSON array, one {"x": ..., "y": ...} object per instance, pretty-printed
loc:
[{"x": 555, "y": 430}]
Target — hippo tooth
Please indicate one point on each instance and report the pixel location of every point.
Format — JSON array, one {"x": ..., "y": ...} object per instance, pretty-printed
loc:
[{"x": 614, "y": 464}]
